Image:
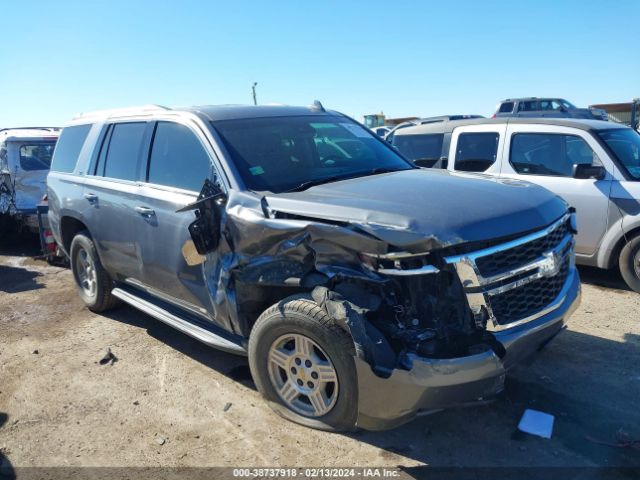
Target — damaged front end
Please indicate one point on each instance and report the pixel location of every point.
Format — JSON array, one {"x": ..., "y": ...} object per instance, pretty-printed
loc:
[{"x": 434, "y": 325}]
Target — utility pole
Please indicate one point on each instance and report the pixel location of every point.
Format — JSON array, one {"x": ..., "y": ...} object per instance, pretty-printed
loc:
[{"x": 253, "y": 88}]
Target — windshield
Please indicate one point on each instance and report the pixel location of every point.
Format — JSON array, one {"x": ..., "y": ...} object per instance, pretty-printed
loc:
[
  {"x": 625, "y": 144},
  {"x": 567, "y": 104},
  {"x": 280, "y": 154},
  {"x": 36, "y": 156}
]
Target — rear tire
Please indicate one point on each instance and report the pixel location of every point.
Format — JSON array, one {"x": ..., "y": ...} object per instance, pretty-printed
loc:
[
  {"x": 629, "y": 263},
  {"x": 92, "y": 281},
  {"x": 302, "y": 363}
]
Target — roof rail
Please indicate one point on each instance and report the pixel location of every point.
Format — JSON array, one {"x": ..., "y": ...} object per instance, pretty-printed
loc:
[
  {"x": 122, "y": 111},
  {"x": 48, "y": 129}
]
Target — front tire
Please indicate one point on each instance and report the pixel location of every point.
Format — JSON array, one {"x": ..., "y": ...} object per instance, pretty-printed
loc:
[
  {"x": 92, "y": 281},
  {"x": 302, "y": 363},
  {"x": 629, "y": 263}
]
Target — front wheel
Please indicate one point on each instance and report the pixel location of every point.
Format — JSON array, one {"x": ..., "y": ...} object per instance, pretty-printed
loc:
[
  {"x": 630, "y": 263},
  {"x": 302, "y": 363}
]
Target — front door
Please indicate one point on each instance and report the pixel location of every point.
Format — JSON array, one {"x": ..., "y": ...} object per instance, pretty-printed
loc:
[
  {"x": 179, "y": 163},
  {"x": 545, "y": 155}
]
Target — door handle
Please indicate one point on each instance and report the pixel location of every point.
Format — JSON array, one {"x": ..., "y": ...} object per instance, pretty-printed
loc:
[
  {"x": 145, "y": 211},
  {"x": 92, "y": 197}
]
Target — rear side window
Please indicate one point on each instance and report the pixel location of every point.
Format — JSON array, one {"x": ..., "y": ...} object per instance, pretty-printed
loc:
[
  {"x": 506, "y": 107},
  {"x": 119, "y": 158},
  {"x": 476, "y": 152},
  {"x": 528, "y": 106},
  {"x": 36, "y": 155},
  {"x": 178, "y": 159},
  {"x": 427, "y": 148},
  {"x": 68, "y": 148},
  {"x": 549, "y": 154}
]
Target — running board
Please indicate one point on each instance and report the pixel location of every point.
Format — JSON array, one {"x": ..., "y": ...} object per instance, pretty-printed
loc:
[{"x": 205, "y": 336}]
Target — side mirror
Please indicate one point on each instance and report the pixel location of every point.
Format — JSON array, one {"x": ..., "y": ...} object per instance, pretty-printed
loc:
[
  {"x": 584, "y": 171},
  {"x": 205, "y": 229}
]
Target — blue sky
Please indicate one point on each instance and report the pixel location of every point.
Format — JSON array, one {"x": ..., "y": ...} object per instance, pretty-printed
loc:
[{"x": 402, "y": 57}]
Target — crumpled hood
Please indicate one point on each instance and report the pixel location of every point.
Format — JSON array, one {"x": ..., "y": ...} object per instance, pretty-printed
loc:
[{"x": 425, "y": 209}]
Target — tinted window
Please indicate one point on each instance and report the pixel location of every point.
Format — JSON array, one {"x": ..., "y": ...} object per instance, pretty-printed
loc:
[
  {"x": 178, "y": 159},
  {"x": 420, "y": 147},
  {"x": 506, "y": 107},
  {"x": 68, "y": 148},
  {"x": 549, "y": 154},
  {"x": 124, "y": 151},
  {"x": 36, "y": 155},
  {"x": 625, "y": 144},
  {"x": 476, "y": 152},
  {"x": 528, "y": 106},
  {"x": 281, "y": 153}
]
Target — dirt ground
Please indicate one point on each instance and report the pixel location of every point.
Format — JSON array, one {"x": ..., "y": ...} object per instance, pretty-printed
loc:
[{"x": 170, "y": 401}]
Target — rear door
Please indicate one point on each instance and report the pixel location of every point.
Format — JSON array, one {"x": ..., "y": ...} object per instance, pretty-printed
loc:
[
  {"x": 545, "y": 155},
  {"x": 477, "y": 149},
  {"x": 112, "y": 192},
  {"x": 179, "y": 161},
  {"x": 33, "y": 160}
]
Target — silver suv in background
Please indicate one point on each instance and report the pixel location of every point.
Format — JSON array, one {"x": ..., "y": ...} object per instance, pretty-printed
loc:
[
  {"x": 546, "y": 107},
  {"x": 296, "y": 236},
  {"x": 593, "y": 165},
  {"x": 25, "y": 158}
]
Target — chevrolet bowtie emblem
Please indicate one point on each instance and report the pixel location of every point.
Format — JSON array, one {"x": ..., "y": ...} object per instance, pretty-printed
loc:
[{"x": 551, "y": 265}]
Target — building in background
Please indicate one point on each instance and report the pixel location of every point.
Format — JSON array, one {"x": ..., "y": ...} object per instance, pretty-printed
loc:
[{"x": 626, "y": 113}]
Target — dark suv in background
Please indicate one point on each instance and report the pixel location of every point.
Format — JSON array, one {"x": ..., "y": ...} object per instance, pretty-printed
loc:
[
  {"x": 546, "y": 107},
  {"x": 363, "y": 289}
]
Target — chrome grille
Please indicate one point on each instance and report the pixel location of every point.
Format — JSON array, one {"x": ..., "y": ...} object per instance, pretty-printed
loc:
[
  {"x": 518, "y": 280},
  {"x": 509, "y": 259}
]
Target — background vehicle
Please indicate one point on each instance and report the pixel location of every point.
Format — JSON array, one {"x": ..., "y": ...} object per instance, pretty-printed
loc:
[
  {"x": 546, "y": 107},
  {"x": 381, "y": 131},
  {"x": 428, "y": 120},
  {"x": 25, "y": 157},
  {"x": 593, "y": 165},
  {"x": 302, "y": 254}
]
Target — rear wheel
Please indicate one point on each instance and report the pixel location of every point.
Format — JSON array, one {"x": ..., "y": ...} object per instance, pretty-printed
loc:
[
  {"x": 629, "y": 262},
  {"x": 92, "y": 281},
  {"x": 302, "y": 363}
]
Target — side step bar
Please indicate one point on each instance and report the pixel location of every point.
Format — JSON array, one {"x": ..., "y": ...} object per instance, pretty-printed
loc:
[{"x": 205, "y": 336}]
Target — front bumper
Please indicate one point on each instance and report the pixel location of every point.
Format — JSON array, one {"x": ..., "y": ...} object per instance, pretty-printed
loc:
[{"x": 434, "y": 384}]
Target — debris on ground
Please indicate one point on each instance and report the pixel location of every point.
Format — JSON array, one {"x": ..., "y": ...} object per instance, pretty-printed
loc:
[
  {"x": 227, "y": 406},
  {"x": 136, "y": 403},
  {"x": 160, "y": 440},
  {"x": 536, "y": 423},
  {"x": 624, "y": 440},
  {"x": 35, "y": 352},
  {"x": 109, "y": 358}
]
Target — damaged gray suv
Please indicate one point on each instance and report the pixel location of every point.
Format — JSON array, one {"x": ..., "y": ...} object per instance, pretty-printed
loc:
[{"x": 365, "y": 291}]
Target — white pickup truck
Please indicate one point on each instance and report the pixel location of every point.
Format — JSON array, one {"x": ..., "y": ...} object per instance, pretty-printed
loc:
[{"x": 594, "y": 165}]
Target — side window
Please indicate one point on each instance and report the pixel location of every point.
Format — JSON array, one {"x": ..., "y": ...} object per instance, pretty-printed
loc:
[
  {"x": 528, "y": 106},
  {"x": 427, "y": 148},
  {"x": 506, "y": 107},
  {"x": 549, "y": 154},
  {"x": 545, "y": 105},
  {"x": 178, "y": 159},
  {"x": 476, "y": 152},
  {"x": 123, "y": 151},
  {"x": 65, "y": 155}
]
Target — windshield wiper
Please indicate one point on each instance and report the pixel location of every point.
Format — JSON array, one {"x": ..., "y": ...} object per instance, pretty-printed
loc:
[{"x": 317, "y": 181}]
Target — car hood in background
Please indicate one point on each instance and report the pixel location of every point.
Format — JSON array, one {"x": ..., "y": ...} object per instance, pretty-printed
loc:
[{"x": 425, "y": 209}]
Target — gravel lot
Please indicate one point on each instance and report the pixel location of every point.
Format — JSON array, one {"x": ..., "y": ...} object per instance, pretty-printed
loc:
[{"x": 170, "y": 401}]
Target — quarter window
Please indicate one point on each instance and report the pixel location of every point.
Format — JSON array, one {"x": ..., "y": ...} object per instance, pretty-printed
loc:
[
  {"x": 68, "y": 148},
  {"x": 549, "y": 154},
  {"x": 123, "y": 151},
  {"x": 178, "y": 159},
  {"x": 476, "y": 152},
  {"x": 506, "y": 107}
]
